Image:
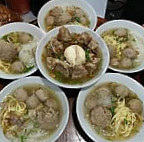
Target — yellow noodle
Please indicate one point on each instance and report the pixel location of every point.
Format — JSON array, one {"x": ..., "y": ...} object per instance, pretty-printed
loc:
[
  {"x": 122, "y": 114},
  {"x": 5, "y": 66}
]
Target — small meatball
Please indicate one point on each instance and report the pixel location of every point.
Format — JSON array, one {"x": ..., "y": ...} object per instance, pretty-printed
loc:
[
  {"x": 121, "y": 91},
  {"x": 130, "y": 53},
  {"x": 126, "y": 63},
  {"x": 63, "y": 19},
  {"x": 114, "y": 62},
  {"x": 56, "y": 11},
  {"x": 42, "y": 95},
  {"x": 91, "y": 67},
  {"x": 79, "y": 12},
  {"x": 104, "y": 97},
  {"x": 57, "y": 46},
  {"x": 79, "y": 72},
  {"x": 121, "y": 32},
  {"x": 24, "y": 37},
  {"x": 21, "y": 95},
  {"x": 7, "y": 51},
  {"x": 32, "y": 102},
  {"x": 85, "y": 38},
  {"x": 63, "y": 68},
  {"x": 32, "y": 114},
  {"x": 93, "y": 45},
  {"x": 136, "y": 105},
  {"x": 17, "y": 67},
  {"x": 64, "y": 34},
  {"x": 49, "y": 20},
  {"x": 48, "y": 120},
  {"x": 83, "y": 20},
  {"x": 91, "y": 101},
  {"x": 51, "y": 103},
  {"x": 100, "y": 116}
]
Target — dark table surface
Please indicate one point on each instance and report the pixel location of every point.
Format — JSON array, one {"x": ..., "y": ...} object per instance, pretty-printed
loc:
[{"x": 73, "y": 131}]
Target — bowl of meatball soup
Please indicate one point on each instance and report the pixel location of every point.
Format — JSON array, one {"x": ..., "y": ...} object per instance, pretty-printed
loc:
[
  {"x": 18, "y": 43},
  {"x": 32, "y": 110},
  {"x": 125, "y": 42},
  {"x": 112, "y": 109},
  {"x": 72, "y": 56},
  {"x": 62, "y": 12}
]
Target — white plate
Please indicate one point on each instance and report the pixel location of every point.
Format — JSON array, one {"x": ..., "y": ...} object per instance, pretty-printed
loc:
[
  {"x": 75, "y": 29},
  {"x": 138, "y": 32},
  {"x": 21, "y": 27},
  {"x": 59, "y": 93},
  {"x": 109, "y": 77},
  {"x": 88, "y": 9}
]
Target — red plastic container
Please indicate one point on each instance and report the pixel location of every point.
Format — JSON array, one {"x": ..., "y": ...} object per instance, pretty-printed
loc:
[{"x": 19, "y": 6}]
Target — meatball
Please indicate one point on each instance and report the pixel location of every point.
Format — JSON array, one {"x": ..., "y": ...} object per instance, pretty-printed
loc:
[
  {"x": 100, "y": 116},
  {"x": 104, "y": 96},
  {"x": 48, "y": 120},
  {"x": 56, "y": 11},
  {"x": 42, "y": 95},
  {"x": 49, "y": 20},
  {"x": 83, "y": 20},
  {"x": 130, "y": 53},
  {"x": 91, "y": 101},
  {"x": 114, "y": 62},
  {"x": 17, "y": 67},
  {"x": 24, "y": 37},
  {"x": 121, "y": 91},
  {"x": 136, "y": 105},
  {"x": 21, "y": 95},
  {"x": 79, "y": 12},
  {"x": 51, "y": 103},
  {"x": 64, "y": 34},
  {"x": 126, "y": 63},
  {"x": 7, "y": 51},
  {"x": 85, "y": 38},
  {"x": 32, "y": 102},
  {"x": 121, "y": 32}
]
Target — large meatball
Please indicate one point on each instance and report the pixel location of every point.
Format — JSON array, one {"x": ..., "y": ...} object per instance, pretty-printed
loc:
[
  {"x": 121, "y": 91},
  {"x": 32, "y": 102},
  {"x": 42, "y": 95},
  {"x": 126, "y": 63},
  {"x": 135, "y": 105},
  {"x": 51, "y": 103},
  {"x": 100, "y": 116},
  {"x": 91, "y": 101},
  {"x": 7, "y": 51},
  {"x": 104, "y": 96},
  {"x": 130, "y": 53},
  {"x": 47, "y": 119},
  {"x": 17, "y": 67},
  {"x": 21, "y": 95},
  {"x": 121, "y": 32},
  {"x": 24, "y": 37}
]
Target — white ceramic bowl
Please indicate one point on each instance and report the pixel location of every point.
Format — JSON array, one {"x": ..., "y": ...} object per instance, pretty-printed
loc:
[
  {"x": 136, "y": 30},
  {"x": 108, "y": 77},
  {"x": 79, "y": 3},
  {"x": 59, "y": 93},
  {"x": 21, "y": 27},
  {"x": 75, "y": 29}
]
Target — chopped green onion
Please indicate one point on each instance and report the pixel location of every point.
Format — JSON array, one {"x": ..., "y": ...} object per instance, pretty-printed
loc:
[
  {"x": 87, "y": 54},
  {"x": 28, "y": 69},
  {"x": 125, "y": 121},
  {"x": 23, "y": 138},
  {"x": 112, "y": 109}
]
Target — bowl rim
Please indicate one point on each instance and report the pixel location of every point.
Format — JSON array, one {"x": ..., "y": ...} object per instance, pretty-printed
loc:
[
  {"x": 45, "y": 82},
  {"x": 134, "y": 70},
  {"x": 53, "y": 1},
  {"x": 88, "y": 89},
  {"x": 20, "y": 25},
  {"x": 75, "y": 86}
]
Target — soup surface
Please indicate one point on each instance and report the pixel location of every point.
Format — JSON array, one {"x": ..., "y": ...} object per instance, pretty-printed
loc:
[
  {"x": 30, "y": 113},
  {"x": 72, "y": 58},
  {"x": 59, "y": 16},
  {"x": 123, "y": 48},
  {"x": 114, "y": 111},
  {"x": 17, "y": 52}
]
